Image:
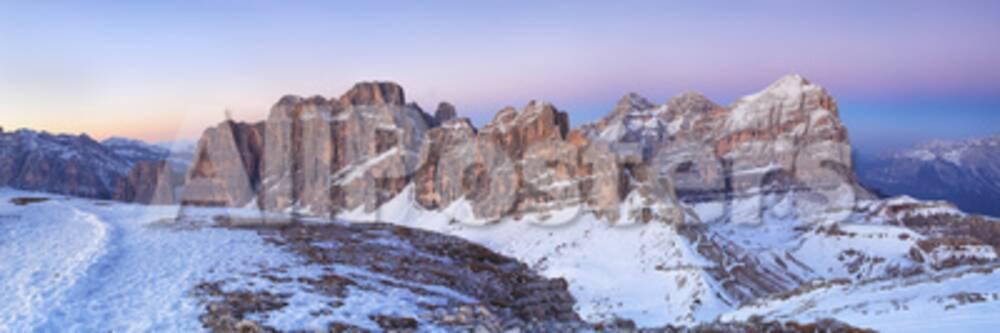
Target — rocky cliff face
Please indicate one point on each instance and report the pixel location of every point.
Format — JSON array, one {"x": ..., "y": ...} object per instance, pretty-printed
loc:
[
  {"x": 149, "y": 182},
  {"x": 356, "y": 152},
  {"x": 964, "y": 172},
  {"x": 313, "y": 156},
  {"x": 353, "y": 154},
  {"x": 698, "y": 211},
  {"x": 783, "y": 143}
]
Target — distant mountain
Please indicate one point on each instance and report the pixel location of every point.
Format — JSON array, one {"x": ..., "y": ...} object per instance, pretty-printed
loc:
[
  {"x": 178, "y": 153},
  {"x": 81, "y": 166},
  {"x": 59, "y": 163},
  {"x": 966, "y": 173}
]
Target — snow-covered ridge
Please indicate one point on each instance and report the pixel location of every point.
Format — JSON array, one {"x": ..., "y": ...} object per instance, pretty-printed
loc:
[
  {"x": 951, "y": 151},
  {"x": 124, "y": 267},
  {"x": 74, "y": 164},
  {"x": 965, "y": 172},
  {"x": 685, "y": 274},
  {"x": 107, "y": 267}
]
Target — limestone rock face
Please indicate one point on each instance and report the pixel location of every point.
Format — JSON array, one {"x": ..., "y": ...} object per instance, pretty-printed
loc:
[
  {"x": 782, "y": 142},
  {"x": 790, "y": 129},
  {"x": 374, "y": 93},
  {"x": 226, "y": 165},
  {"x": 529, "y": 166},
  {"x": 450, "y": 161},
  {"x": 355, "y": 153},
  {"x": 445, "y": 112},
  {"x": 314, "y": 156},
  {"x": 149, "y": 182},
  {"x": 519, "y": 165}
]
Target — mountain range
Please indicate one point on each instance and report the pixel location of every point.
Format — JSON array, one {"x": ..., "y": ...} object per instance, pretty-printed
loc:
[
  {"x": 697, "y": 210},
  {"x": 677, "y": 213},
  {"x": 965, "y": 172},
  {"x": 116, "y": 168}
]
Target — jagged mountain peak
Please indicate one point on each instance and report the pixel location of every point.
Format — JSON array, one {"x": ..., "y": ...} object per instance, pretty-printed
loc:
[
  {"x": 536, "y": 107},
  {"x": 787, "y": 86},
  {"x": 362, "y": 93},
  {"x": 633, "y": 101},
  {"x": 511, "y": 114},
  {"x": 793, "y": 79},
  {"x": 691, "y": 101},
  {"x": 375, "y": 93},
  {"x": 445, "y": 112},
  {"x": 317, "y": 99},
  {"x": 505, "y": 115},
  {"x": 289, "y": 100}
]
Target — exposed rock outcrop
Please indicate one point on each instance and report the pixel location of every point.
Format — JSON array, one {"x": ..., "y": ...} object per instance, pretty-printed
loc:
[
  {"x": 785, "y": 142},
  {"x": 355, "y": 153},
  {"x": 374, "y": 93},
  {"x": 313, "y": 156},
  {"x": 445, "y": 112},
  {"x": 226, "y": 169},
  {"x": 149, "y": 182}
]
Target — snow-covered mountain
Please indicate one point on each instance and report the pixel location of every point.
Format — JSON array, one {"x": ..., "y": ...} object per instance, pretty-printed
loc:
[
  {"x": 78, "y": 265},
  {"x": 682, "y": 213},
  {"x": 110, "y": 266},
  {"x": 67, "y": 164},
  {"x": 965, "y": 172},
  {"x": 178, "y": 154},
  {"x": 679, "y": 213},
  {"x": 78, "y": 165}
]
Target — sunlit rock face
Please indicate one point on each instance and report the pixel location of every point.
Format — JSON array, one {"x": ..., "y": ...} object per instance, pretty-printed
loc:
[
  {"x": 315, "y": 156},
  {"x": 783, "y": 143},
  {"x": 701, "y": 210},
  {"x": 354, "y": 153},
  {"x": 226, "y": 166}
]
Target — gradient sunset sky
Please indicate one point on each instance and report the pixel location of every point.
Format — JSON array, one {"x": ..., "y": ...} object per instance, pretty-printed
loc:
[{"x": 902, "y": 71}]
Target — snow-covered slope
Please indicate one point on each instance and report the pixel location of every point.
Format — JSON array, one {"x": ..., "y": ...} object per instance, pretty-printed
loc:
[
  {"x": 658, "y": 274},
  {"x": 76, "y": 265},
  {"x": 646, "y": 273},
  {"x": 79, "y": 265},
  {"x": 959, "y": 300}
]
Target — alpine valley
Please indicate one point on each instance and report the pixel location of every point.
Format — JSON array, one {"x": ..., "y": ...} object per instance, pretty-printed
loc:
[{"x": 364, "y": 212}]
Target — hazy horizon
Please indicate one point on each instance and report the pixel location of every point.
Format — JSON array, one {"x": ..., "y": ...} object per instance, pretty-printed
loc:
[{"x": 902, "y": 72}]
